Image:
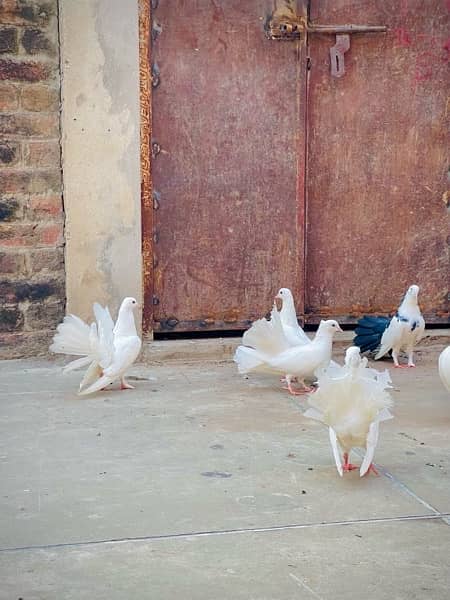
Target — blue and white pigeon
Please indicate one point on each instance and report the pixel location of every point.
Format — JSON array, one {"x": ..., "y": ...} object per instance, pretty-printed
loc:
[{"x": 402, "y": 331}]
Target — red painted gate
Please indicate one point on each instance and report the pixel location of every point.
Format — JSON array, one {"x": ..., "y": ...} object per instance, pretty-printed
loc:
[{"x": 269, "y": 170}]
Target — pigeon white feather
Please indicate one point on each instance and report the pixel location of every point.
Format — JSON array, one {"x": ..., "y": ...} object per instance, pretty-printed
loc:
[
  {"x": 288, "y": 315},
  {"x": 444, "y": 367},
  {"x": 272, "y": 352},
  {"x": 405, "y": 329},
  {"x": 108, "y": 349},
  {"x": 352, "y": 403}
]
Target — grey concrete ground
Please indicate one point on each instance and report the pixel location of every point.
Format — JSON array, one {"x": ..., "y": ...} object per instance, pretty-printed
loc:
[{"x": 201, "y": 484}]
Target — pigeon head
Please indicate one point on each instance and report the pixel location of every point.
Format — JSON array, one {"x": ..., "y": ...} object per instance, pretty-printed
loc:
[
  {"x": 128, "y": 304},
  {"x": 330, "y": 326},
  {"x": 285, "y": 295},
  {"x": 352, "y": 356},
  {"x": 413, "y": 291}
]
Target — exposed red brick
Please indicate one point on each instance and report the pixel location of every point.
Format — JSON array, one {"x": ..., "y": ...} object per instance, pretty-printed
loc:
[
  {"x": 20, "y": 12},
  {"x": 46, "y": 259},
  {"x": 29, "y": 235},
  {"x": 9, "y": 153},
  {"x": 9, "y": 97},
  {"x": 12, "y": 263},
  {"x": 36, "y": 291},
  {"x": 50, "y": 204},
  {"x": 42, "y": 154},
  {"x": 31, "y": 215},
  {"x": 10, "y": 209},
  {"x": 11, "y": 318},
  {"x": 8, "y": 40},
  {"x": 44, "y": 315},
  {"x": 13, "y": 70},
  {"x": 30, "y": 125},
  {"x": 51, "y": 234},
  {"x": 34, "y": 182},
  {"x": 38, "y": 97},
  {"x": 17, "y": 235},
  {"x": 36, "y": 41}
]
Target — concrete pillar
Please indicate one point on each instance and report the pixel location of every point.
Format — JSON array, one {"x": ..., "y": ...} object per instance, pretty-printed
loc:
[{"x": 100, "y": 145}]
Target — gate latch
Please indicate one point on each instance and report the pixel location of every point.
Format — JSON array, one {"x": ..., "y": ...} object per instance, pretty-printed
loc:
[{"x": 285, "y": 24}]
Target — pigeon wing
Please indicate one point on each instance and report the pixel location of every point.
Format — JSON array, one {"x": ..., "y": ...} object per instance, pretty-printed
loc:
[
  {"x": 105, "y": 326},
  {"x": 335, "y": 448},
  {"x": 371, "y": 444},
  {"x": 391, "y": 337}
]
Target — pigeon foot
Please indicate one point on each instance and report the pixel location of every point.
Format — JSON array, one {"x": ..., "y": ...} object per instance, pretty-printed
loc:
[
  {"x": 295, "y": 392},
  {"x": 125, "y": 386},
  {"x": 374, "y": 471},
  {"x": 347, "y": 466}
]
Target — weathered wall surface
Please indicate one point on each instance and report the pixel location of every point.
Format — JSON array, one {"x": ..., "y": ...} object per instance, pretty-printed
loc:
[
  {"x": 31, "y": 211},
  {"x": 100, "y": 142}
]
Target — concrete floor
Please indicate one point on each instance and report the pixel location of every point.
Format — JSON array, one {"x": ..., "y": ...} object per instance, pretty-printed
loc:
[{"x": 203, "y": 484}]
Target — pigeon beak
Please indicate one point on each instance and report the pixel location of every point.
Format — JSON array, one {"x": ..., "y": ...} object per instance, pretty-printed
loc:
[
  {"x": 278, "y": 302},
  {"x": 339, "y": 328}
]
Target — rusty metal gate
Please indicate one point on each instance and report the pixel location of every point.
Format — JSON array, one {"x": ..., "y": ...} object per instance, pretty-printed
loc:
[{"x": 293, "y": 149}]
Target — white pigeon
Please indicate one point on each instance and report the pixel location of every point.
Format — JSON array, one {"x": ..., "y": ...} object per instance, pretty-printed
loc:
[
  {"x": 352, "y": 400},
  {"x": 444, "y": 367},
  {"x": 405, "y": 329},
  {"x": 108, "y": 349},
  {"x": 270, "y": 351},
  {"x": 292, "y": 330}
]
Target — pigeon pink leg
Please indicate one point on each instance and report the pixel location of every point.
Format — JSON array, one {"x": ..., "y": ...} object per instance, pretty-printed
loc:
[
  {"x": 295, "y": 392},
  {"x": 124, "y": 385},
  {"x": 347, "y": 466},
  {"x": 372, "y": 468},
  {"x": 396, "y": 363}
]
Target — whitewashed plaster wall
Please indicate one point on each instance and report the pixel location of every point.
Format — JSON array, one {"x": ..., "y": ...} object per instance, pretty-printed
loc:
[{"x": 100, "y": 146}]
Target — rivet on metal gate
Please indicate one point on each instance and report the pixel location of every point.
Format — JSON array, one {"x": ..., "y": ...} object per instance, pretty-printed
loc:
[
  {"x": 156, "y": 149},
  {"x": 155, "y": 4},
  {"x": 156, "y": 200},
  {"x": 448, "y": 297},
  {"x": 155, "y": 300},
  {"x": 155, "y": 237},
  {"x": 156, "y": 75},
  {"x": 156, "y": 30}
]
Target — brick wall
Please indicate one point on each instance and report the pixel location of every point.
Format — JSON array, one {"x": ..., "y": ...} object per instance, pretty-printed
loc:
[{"x": 31, "y": 210}]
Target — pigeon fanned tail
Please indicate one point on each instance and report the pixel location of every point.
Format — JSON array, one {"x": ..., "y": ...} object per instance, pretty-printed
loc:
[
  {"x": 369, "y": 331},
  {"x": 352, "y": 400},
  {"x": 108, "y": 349},
  {"x": 72, "y": 337}
]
